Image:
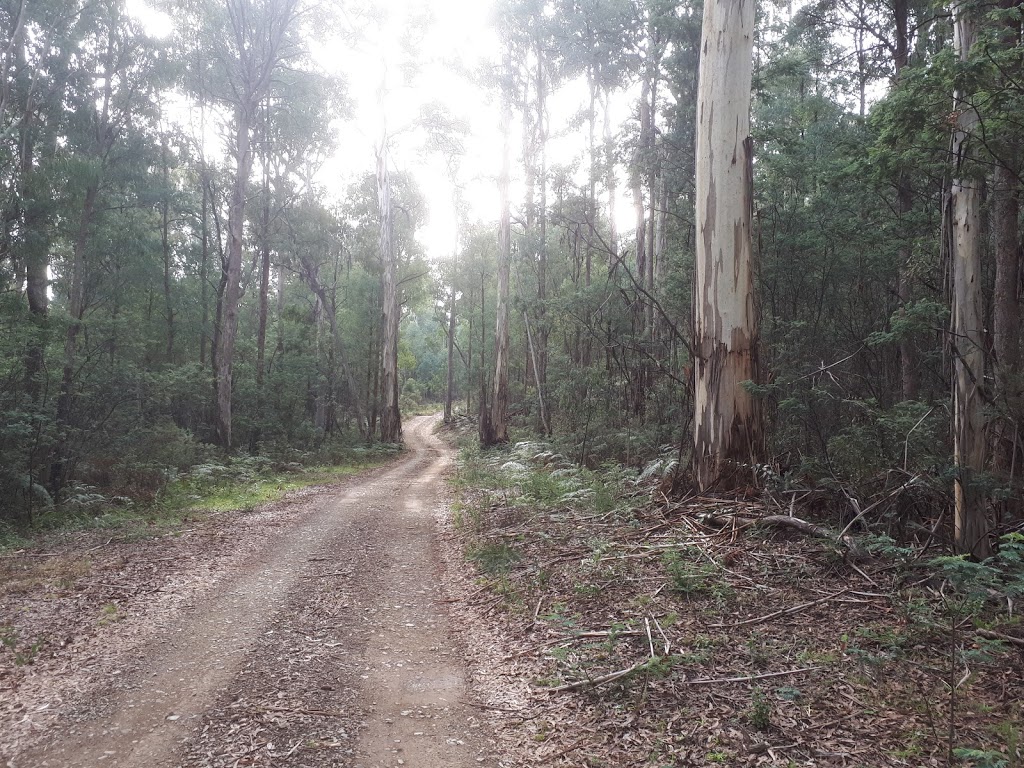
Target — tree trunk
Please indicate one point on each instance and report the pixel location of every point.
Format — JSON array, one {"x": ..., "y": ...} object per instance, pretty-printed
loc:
[
  {"x": 541, "y": 361},
  {"x": 449, "y": 390},
  {"x": 390, "y": 417},
  {"x": 498, "y": 427},
  {"x": 727, "y": 420},
  {"x": 904, "y": 205},
  {"x": 970, "y": 524},
  {"x": 1006, "y": 309},
  {"x": 228, "y": 319},
  {"x": 204, "y": 270},
  {"x": 165, "y": 248},
  {"x": 263, "y": 310},
  {"x": 609, "y": 182}
]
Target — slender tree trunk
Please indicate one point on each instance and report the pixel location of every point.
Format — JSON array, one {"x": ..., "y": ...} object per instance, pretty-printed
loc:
[
  {"x": 609, "y": 181},
  {"x": 1006, "y": 301},
  {"x": 390, "y": 417},
  {"x": 228, "y": 329},
  {"x": 498, "y": 427},
  {"x": 263, "y": 310},
  {"x": 647, "y": 280},
  {"x": 1006, "y": 309},
  {"x": 970, "y": 524},
  {"x": 449, "y": 390},
  {"x": 165, "y": 248},
  {"x": 541, "y": 362},
  {"x": 35, "y": 246},
  {"x": 904, "y": 205},
  {"x": 727, "y": 420},
  {"x": 204, "y": 271}
]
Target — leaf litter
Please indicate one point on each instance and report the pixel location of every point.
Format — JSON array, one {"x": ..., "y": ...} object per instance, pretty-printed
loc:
[{"x": 644, "y": 632}]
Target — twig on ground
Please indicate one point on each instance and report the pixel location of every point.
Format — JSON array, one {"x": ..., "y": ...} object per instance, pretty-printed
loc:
[
  {"x": 594, "y": 681},
  {"x": 748, "y": 678},
  {"x": 990, "y": 635},
  {"x": 783, "y": 612}
]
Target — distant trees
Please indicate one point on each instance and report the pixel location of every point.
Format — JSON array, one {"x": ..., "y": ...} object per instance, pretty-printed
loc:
[{"x": 132, "y": 248}]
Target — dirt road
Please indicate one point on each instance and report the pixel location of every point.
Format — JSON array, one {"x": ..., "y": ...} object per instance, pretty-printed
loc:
[{"x": 318, "y": 638}]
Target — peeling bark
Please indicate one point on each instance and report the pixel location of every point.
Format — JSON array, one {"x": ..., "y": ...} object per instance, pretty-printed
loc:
[{"x": 727, "y": 419}]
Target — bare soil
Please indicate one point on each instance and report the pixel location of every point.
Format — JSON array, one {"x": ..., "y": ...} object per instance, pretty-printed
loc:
[{"x": 309, "y": 632}]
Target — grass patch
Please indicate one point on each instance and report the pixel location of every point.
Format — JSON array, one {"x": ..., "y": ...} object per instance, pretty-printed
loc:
[{"x": 239, "y": 484}]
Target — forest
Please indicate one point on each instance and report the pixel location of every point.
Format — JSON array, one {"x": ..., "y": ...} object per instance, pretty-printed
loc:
[
  {"x": 183, "y": 287},
  {"x": 720, "y": 304}
]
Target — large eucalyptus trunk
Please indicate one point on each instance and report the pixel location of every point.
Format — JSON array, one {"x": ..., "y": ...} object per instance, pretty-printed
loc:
[
  {"x": 390, "y": 416},
  {"x": 727, "y": 420},
  {"x": 970, "y": 524}
]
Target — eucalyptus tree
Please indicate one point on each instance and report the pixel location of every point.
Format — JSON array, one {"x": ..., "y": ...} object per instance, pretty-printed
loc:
[
  {"x": 242, "y": 48},
  {"x": 969, "y": 441},
  {"x": 293, "y": 137},
  {"x": 390, "y": 416},
  {"x": 494, "y": 422},
  {"x": 727, "y": 422}
]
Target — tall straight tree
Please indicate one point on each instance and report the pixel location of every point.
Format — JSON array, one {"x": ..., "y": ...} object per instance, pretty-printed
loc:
[
  {"x": 494, "y": 426},
  {"x": 969, "y": 449},
  {"x": 390, "y": 416},
  {"x": 727, "y": 421},
  {"x": 254, "y": 45}
]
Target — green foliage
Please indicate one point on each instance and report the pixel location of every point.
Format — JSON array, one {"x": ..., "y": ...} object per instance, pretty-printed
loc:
[
  {"x": 979, "y": 758},
  {"x": 687, "y": 577},
  {"x": 494, "y": 559},
  {"x": 760, "y": 712}
]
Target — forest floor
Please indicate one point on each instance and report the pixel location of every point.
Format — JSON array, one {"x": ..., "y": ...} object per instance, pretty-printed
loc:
[
  {"x": 307, "y": 632},
  {"x": 595, "y": 624},
  {"x": 611, "y": 626}
]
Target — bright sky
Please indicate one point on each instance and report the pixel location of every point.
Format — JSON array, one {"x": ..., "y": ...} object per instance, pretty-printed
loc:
[
  {"x": 451, "y": 40},
  {"x": 455, "y": 38}
]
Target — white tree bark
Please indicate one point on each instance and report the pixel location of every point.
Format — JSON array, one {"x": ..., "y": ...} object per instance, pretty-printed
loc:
[
  {"x": 497, "y": 431},
  {"x": 727, "y": 423},
  {"x": 970, "y": 525},
  {"x": 390, "y": 417}
]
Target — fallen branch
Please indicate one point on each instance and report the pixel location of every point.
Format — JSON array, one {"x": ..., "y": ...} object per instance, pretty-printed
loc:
[
  {"x": 783, "y": 612},
  {"x": 748, "y": 678},
  {"x": 609, "y": 678},
  {"x": 785, "y": 521},
  {"x": 990, "y": 635},
  {"x": 326, "y": 575},
  {"x": 298, "y": 711}
]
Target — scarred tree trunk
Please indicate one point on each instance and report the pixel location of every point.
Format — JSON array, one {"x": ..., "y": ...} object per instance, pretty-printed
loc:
[
  {"x": 970, "y": 524},
  {"x": 727, "y": 420},
  {"x": 390, "y": 417}
]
